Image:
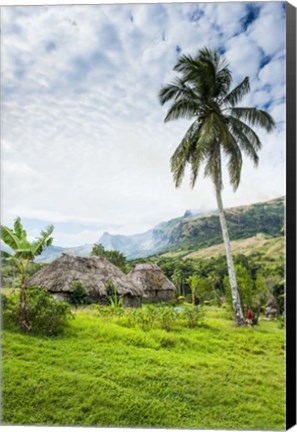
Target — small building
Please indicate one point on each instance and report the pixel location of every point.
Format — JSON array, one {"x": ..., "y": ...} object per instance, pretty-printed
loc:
[
  {"x": 152, "y": 281},
  {"x": 95, "y": 273}
]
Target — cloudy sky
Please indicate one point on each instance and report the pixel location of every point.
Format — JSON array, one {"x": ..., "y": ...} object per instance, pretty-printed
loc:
[{"x": 84, "y": 145}]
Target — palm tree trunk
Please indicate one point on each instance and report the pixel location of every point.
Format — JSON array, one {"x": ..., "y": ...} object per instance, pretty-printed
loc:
[{"x": 238, "y": 316}]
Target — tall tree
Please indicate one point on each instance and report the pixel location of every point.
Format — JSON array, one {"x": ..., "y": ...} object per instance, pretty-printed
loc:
[
  {"x": 202, "y": 91},
  {"x": 24, "y": 253},
  {"x": 114, "y": 256}
]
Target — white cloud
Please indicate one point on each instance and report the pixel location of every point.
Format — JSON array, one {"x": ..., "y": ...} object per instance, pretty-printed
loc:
[{"x": 83, "y": 132}]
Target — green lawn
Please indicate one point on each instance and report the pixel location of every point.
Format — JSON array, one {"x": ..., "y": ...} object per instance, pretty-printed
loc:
[{"x": 102, "y": 374}]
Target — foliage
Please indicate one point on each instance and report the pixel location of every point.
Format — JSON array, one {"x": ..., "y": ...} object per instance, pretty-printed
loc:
[
  {"x": 254, "y": 292},
  {"x": 9, "y": 311},
  {"x": 266, "y": 277},
  {"x": 149, "y": 379},
  {"x": 181, "y": 270},
  {"x": 245, "y": 286},
  {"x": 46, "y": 316},
  {"x": 278, "y": 290},
  {"x": 200, "y": 287},
  {"x": 166, "y": 317},
  {"x": 115, "y": 257},
  {"x": 24, "y": 253},
  {"x": 202, "y": 91},
  {"x": 16, "y": 239},
  {"x": 193, "y": 316},
  {"x": 79, "y": 295},
  {"x": 114, "y": 298}
]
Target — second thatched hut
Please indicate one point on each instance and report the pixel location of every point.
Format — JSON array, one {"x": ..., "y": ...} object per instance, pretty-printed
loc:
[
  {"x": 95, "y": 273},
  {"x": 152, "y": 281}
]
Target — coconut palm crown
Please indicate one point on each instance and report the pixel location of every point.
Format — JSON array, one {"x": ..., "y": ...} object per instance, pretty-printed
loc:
[{"x": 202, "y": 92}]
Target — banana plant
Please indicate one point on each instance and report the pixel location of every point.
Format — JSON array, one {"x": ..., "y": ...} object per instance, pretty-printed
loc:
[{"x": 23, "y": 253}]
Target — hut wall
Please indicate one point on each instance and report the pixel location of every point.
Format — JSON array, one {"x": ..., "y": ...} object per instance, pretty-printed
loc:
[
  {"x": 159, "y": 294},
  {"x": 165, "y": 294},
  {"x": 131, "y": 301}
]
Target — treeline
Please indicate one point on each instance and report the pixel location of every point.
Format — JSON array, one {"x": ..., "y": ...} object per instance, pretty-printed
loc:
[{"x": 206, "y": 280}]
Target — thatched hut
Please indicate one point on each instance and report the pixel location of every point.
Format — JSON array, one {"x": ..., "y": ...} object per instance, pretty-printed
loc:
[
  {"x": 95, "y": 273},
  {"x": 152, "y": 281}
]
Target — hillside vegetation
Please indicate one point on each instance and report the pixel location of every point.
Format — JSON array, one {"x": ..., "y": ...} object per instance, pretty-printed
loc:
[
  {"x": 101, "y": 373},
  {"x": 267, "y": 249},
  {"x": 243, "y": 222}
]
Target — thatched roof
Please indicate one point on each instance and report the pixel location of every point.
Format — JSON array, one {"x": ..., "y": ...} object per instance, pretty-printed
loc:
[
  {"x": 150, "y": 278},
  {"x": 93, "y": 272}
]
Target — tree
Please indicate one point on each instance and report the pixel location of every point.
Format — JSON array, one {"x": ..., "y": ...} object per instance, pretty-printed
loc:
[
  {"x": 202, "y": 91},
  {"x": 200, "y": 286},
  {"x": 245, "y": 286},
  {"x": 182, "y": 271},
  {"x": 24, "y": 253},
  {"x": 114, "y": 256}
]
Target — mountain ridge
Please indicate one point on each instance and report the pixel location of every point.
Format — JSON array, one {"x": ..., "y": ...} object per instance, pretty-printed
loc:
[{"x": 188, "y": 232}]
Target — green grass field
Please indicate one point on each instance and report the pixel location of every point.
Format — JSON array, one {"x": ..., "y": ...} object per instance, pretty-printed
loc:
[{"x": 102, "y": 374}]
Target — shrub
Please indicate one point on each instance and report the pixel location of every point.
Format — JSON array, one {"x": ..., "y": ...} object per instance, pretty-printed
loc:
[
  {"x": 114, "y": 298},
  {"x": 145, "y": 317},
  {"x": 9, "y": 310},
  {"x": 173, "y": 302},
  {"x": 128, "y": 318},
  {"x": 4, "y": 300},
  {"x": 189, "y": 298},
  {"x": 79, "y": 294},
  {"x": 45, "y": 315},
  {"x": 166, "y": 317},
  {"x": 192, "y": 316}
]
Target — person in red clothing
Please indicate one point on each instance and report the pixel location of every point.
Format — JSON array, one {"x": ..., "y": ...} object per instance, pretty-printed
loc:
[{"x": 249, "y": 316}]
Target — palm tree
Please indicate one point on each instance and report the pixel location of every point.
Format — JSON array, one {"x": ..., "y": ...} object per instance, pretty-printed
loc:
[
  {"x": 24, "y": 253},
  {"x": 202, "y": 91}
]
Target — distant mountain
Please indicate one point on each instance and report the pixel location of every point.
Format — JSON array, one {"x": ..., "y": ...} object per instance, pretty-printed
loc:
[
  {"x": 54, "y": 252},
  {"x": 199, "y": 231},
  {"x": 190, "y": 232}
]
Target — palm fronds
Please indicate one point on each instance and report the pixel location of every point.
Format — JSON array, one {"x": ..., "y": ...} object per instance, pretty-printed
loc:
[
  {"x": 254, "y": 117},
  {"x": 238, "y": 92},
  {"x": 202, "y": 91}
]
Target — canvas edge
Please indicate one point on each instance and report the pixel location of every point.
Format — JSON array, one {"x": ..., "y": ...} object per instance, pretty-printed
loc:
[{"x": 291, "y": 216}]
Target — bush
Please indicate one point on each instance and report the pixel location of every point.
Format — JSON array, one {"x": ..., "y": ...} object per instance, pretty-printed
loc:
[
  {"x": 173, "y": 302},
  {"x": 192, "y": 316},
  {"x": 4, "y": 300},
  {"x": 79, "y": 294},
  {"x": 166, "y": 317},
  {"x": 46, "y": 316},
  {"x": 189, "y": 298},
  {"x": 9, "y": 310},
  {"x": 145, "y": 317},
  {"x": 115, "y": 300}
]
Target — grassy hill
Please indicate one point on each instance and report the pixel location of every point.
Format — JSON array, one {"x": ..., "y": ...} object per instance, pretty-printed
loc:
[
  {"x": 100, "y": 373},
  {"x": 266, "y": 248}
]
